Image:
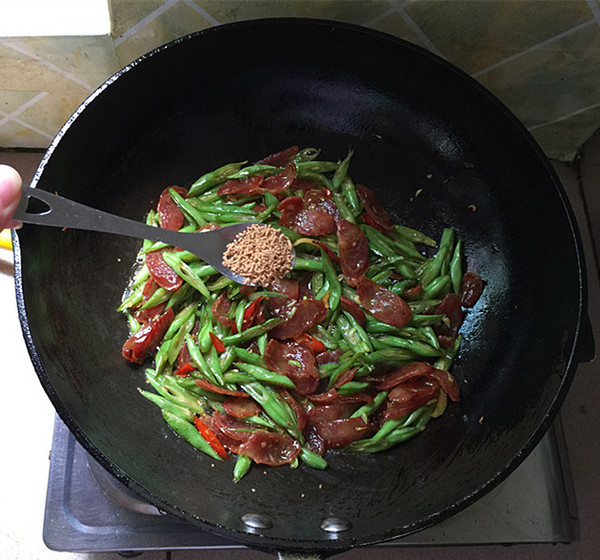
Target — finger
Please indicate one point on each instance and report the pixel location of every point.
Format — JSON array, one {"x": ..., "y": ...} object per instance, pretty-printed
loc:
[{"x": 10, "y": 195}]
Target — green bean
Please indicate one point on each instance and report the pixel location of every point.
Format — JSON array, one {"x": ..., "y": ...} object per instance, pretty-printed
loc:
[
  {"x": 204, "y": 341},
  {"x": 415, "y": 236},
  {"x": 181, "y": 295},
  {"x": 159, "y": 296},
  {"x": 248, "y": 357},
  {"x": 415, "y": 346},
  {"x": 422, "y": 320},
  {"x": 353, "y": 387},
  {"x": 349, "y": 191},
  {"x": 186, "y": 273},
  {"x": 335, "y": 288},
  {"x": 312, "y": 459},
  {"x": 190, "y": 434},
  {"x": 271, "y": 405},
  {"x": 307, "y": 154},
  {"x": 266, "y": 213},
  {"x": 353, "y": 334},
  {"x": 342, "y": 171},
  {"x": 161, "y": 358},
  {"x": 344, "y": 364},
  {"x": 213, "y": 178},
  {"x": 251, "y": 332},
  {"x": 168, "y": 388},
  {"x": 343, "y": 207},
  {"x": 420, "y": 305},
  {"x": 215, "y": 365},
  {"x": 445, "y": 361},
  {"x": 132, "y": 300},
  {"x": 323, "y": 291},
  {"x": 242, "y": 466},
  {"x": 393, "y": 356},
  {"x": 199, "y": 360},
  {"x": 304, "y": 167},
  {"x": 166, "y": 404},
  {"x": 262, "y": 341},
  {"x": 227, "y": 358},
  {"x": 324, "y": 336},
  {"x": 134, "y": 325},
  {"x": 225, "y": 208},
  {"x": 438, "y": 264},
  {"x": 317, "y": 178},
  {"x": 181, "y": 317},
  {"x": 239, "y": 314},
  {"x": 266, "y": 375},
  {"x": 370, "y": 446},
  {"x": 367, "y": 409},
  {"x": 179, "y": 339},
  {"x": 437, "y": 288},
  {"x": 456, "y": 272},
  {"x": 257, "y": 169},
  {"x": 231, "y": 377},
  {"x": 140, "y": 277},
  {"x": 188, "y": 210},
  {"x": 390, "y": 247},
  {"x": 308, "y": 264}
]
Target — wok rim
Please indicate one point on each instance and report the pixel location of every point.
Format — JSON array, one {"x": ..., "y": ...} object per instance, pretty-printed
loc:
[{"x": 265, "y": 541}]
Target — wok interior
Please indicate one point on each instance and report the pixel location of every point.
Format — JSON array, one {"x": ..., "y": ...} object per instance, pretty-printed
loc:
[{"x": 232, "y": 94}]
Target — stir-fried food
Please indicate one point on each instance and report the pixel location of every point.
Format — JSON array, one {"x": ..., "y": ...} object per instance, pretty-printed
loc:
[{"x": 350, "y": 350}]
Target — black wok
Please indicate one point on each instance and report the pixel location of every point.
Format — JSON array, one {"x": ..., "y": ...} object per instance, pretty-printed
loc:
[{"x": 415, "y": 122}]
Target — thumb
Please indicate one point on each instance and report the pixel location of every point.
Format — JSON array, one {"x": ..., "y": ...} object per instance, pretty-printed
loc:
[{"x": 10, "y": 195}]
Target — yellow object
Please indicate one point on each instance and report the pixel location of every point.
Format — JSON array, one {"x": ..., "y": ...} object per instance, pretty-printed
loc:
[{"x": 5, "y": 239}]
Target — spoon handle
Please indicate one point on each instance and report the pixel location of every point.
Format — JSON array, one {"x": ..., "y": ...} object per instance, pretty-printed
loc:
[{"x": 63, "y": 212}]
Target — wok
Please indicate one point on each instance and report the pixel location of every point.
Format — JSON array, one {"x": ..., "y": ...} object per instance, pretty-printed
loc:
[{"x": 437, "y": 148}]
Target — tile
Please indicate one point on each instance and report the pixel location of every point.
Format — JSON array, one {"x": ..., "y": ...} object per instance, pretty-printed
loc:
[
  {"x": 546, "y": 84},
  {"x": 15, "y": 134},
  {"x": 84, "y": 61},
  {"x": 43, "y": 80},
  {"x": 474, "y": 35},
  {"x": 394, "y": 24},
  {"x": 165, "y": 26},
  {"x": 562, "y": 140},
  {"x": 351, "y": 11},
  {"x": 124, "y": 14}
]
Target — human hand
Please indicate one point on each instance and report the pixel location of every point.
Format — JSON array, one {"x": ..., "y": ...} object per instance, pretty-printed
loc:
[{"x": 10, "y": 195}]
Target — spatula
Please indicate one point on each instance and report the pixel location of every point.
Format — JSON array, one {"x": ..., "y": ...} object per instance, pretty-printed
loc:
[{"x": 208, "y": 245}]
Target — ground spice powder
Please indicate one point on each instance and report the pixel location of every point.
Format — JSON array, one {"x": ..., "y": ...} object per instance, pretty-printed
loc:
[{"x": 262, "y": 254}]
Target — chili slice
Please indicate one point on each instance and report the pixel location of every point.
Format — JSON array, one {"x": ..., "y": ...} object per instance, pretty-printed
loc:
[{"x": 210, "y": 437}]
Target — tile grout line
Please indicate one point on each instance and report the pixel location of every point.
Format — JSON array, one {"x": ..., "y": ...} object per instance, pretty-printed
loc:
[
  {"x": 12, "y": 116},
  {"x": 593, "y": 5},
  {"x": 10, "y": 45},
  {"x": 536, "y": 47},
  {"x": 144, "y": 22},
  {"x": 565, "y": 117},
  {"x": 201, "y": 11}
]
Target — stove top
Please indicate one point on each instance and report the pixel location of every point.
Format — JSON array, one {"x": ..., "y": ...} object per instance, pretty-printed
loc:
[{"x": 88, "y": 510}]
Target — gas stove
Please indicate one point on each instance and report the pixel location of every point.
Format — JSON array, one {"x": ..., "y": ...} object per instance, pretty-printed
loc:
[{"x": 88, "y": 510}]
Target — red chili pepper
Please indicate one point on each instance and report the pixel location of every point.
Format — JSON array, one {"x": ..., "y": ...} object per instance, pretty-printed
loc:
[
  {"x": 217, "y": 343},
  {"x": 315, "y": 343},
  {"x": 250, "y": 312},
  {"x": 211, "y": 438},
  {"x": 184, "y": 370}
]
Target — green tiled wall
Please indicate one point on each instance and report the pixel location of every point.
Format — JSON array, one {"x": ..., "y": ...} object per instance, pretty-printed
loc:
[{"x": 540, "y": 57}]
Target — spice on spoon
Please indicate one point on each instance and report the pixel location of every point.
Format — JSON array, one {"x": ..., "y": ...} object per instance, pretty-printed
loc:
[{"x": 262, "y": 254}]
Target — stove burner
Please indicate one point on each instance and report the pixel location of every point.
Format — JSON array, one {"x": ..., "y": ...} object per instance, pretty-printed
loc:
[{"x": 88, "y": 510}]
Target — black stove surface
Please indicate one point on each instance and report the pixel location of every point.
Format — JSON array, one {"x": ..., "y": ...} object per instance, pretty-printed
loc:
[{"x": 88, "y": 510}]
